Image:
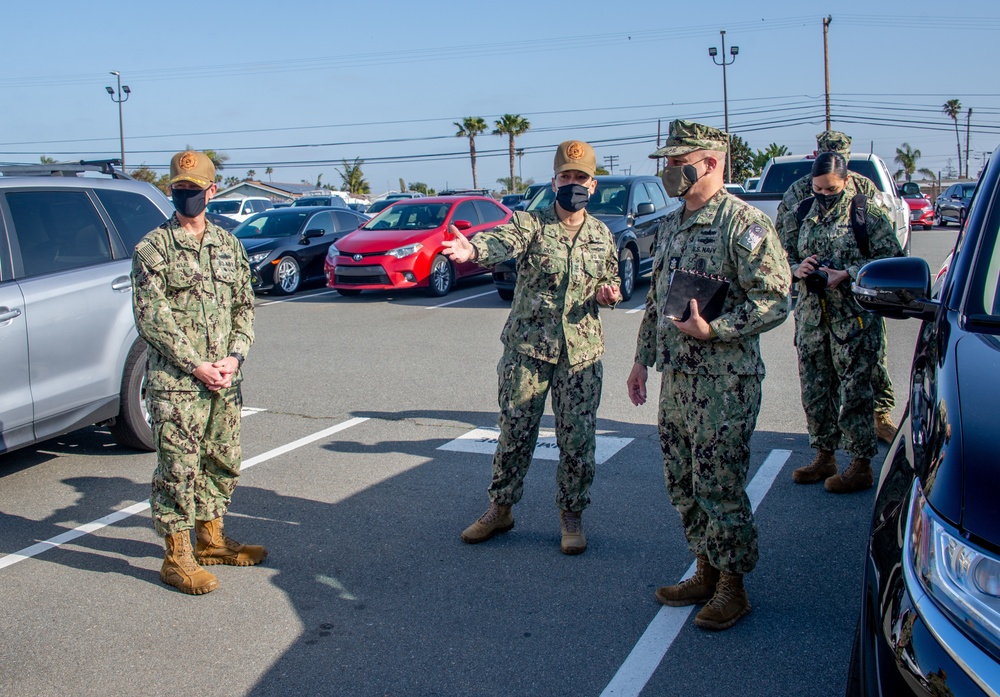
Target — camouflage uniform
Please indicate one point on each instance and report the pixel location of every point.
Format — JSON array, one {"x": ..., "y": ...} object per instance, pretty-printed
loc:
[
  {"x": 710, "y": 390},
  {"x": 552, "y": 339},
  {"x": 788, "y": 228},
  {"x": 838, "y": 344},
  {"x": 193, "y": 304}
]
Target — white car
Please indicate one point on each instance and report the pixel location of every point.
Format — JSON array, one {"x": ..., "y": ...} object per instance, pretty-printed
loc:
[{"x": 239, "y": 208}]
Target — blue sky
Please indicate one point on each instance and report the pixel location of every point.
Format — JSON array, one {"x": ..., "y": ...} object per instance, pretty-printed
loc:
[{"x": 301, "y": 85}]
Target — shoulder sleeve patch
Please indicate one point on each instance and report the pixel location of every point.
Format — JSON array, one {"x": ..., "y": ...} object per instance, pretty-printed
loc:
[
  {"x": 752, "y": 237},
  {"x": 149, "y": 256},
  {"x": 524, "y": 221}
]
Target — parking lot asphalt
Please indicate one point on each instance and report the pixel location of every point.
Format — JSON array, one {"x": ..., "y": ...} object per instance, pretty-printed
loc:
[{"x": 364, "y": 463}]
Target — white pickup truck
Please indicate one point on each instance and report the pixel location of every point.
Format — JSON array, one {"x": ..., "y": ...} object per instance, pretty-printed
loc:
[{"x": 781, "y": 172}]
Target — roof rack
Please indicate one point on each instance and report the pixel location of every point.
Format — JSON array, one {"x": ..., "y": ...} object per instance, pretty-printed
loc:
[{"x": 66, "y": 169}]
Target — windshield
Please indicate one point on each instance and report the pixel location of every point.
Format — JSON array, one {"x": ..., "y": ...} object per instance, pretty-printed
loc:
[
  {"x": 223, "y": 206},
  {"x": 608, "y": 199},
  {"x": 404, "y": 215},
  {"x": 284, "y": 224}
]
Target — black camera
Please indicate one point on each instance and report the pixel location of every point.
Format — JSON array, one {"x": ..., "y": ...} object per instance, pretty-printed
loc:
[{"x": 817, "y": 281}]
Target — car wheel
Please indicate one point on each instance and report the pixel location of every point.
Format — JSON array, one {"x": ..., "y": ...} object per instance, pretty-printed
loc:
[
  {"x": 627, "y": 271},
  {"x": 348, "y": 293},
  {"x": 442, "y": 277},
  {"x": 505, "y": 294},
  {"x": 928, "y": 227},
  {"x": 287, "y": 276},
  {"x": 938, "y": 220},
  {"x": 131, "y": 428}
]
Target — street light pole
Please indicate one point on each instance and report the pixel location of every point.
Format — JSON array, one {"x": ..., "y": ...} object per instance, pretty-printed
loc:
[
  {"x": 123, "y": 94},
  {"x": 733, "y": 50}
]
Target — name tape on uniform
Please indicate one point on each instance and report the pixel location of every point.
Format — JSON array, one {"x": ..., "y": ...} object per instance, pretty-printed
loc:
[{"x": 484, "y": 441}]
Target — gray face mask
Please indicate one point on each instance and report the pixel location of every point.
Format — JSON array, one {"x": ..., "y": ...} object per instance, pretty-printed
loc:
[{"x": 679, "y": 178}]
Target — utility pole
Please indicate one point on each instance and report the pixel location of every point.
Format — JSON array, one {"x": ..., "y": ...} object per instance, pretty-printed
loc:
[
  {"x": 826, "y": 64},
  {"x": 968, "y": 118},
  {"x": 611, "y": 160},
  {"x": 659, "y": 165}
]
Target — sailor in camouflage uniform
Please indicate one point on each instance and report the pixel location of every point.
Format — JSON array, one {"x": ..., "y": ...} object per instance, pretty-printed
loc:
[
  {"x": 837, "y": 340},
  {"x": 710, "y": 389},
  {"x": 567, "y": 265},
  {"x": 788, "y": 230},
  {"x": 193, "y": 305}
]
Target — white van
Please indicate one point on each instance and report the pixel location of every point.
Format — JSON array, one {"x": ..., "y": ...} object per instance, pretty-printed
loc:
[{"x": 239, "y": 208}]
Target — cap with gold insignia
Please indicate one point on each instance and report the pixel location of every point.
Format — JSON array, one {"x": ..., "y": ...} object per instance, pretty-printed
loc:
[
  {"x": 194, "y": 167},
  {"x": 575, "y": 154},
  {"x": 834, "y": 141},
  {"x": 688, "y": 136}
]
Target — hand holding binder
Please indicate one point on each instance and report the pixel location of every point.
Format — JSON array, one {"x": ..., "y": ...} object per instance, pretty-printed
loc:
[{"x": 709, "y": 291}]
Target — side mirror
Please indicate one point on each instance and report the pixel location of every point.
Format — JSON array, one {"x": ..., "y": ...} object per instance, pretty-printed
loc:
[
  {"x": 896, "y": 288},
  {"x": 315, "y": 232},
  {"x": 645, "y": 209},
  {"x": 462, "y": 225}
]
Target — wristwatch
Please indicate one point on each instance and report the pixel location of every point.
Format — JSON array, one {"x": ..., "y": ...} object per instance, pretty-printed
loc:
[{"x": 238, "y": 357}]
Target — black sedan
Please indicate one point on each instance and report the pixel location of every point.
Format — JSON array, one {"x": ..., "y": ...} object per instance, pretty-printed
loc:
[
  {"x": 930, "y": 614},
  {"x": 631, "y": 207},
  {"x": 287, "y": 246},
  {"x": 953, "y": 205}
]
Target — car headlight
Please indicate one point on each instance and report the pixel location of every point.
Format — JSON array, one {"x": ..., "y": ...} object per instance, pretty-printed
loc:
[
  {"x": 332, "y": 253},
  {"x": 258, "y": 257},
  {"x": 402, "y": 252},
  {"x": 961, "y": 578}
]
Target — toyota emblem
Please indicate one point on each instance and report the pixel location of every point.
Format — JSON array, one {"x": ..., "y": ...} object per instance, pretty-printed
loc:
[{"x": 357, "y": 257}]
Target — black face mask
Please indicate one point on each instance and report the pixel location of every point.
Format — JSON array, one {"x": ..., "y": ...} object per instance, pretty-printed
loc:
[
  {"x": 572, "y": 197},
  {"x": 189, "y": 202},
  {"x": 828, "y": 201}
]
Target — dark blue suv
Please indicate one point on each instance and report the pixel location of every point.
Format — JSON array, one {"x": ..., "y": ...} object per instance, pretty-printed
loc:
[{"x": 930, "y": 612}]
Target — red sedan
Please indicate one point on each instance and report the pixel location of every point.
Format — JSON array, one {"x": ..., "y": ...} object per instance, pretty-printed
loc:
[
  {"x": 401, "y": 246},
  {"x": 921, "y": 211}
]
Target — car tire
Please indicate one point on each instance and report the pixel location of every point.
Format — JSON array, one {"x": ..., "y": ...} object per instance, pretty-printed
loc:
[
  {"x": 287, "y": 276},
  {"x": 442, "y": 277},
  {"x": 131, "y": 428},
  {"x": 505, "y": 294},
  {"x": 938, "y": 220},
  {"x": 628, "y": 271},
  {"x": 928, "y": 227},
  {"x": 348, "y": 293}
]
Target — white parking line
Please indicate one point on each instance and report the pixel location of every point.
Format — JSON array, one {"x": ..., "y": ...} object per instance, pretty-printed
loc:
[
  {"x": 640, "y": 308},
  {"x": 112, "y": 518},
  {"x": 460, "y": 300},
  {"x": 300, "y": 296},
  {"x": 654, "y": 643}
]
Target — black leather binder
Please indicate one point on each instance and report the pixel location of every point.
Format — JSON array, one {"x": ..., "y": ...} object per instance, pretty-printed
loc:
[{"x": 709, "y": 291}]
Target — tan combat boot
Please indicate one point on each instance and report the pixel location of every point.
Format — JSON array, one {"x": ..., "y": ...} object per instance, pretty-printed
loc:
[
  {"x": 857, "y": 477},
  {"x": 213, "y": 546},
  {"x": 727, "y": 606},
  {"x": 823, "y": 465},
  {"x": 885, "y": 429},
  {"x": 698, "y": 589},
  {"x": 573, "y": 540},
  {"x": 181, "y": 571},
  {"x": 495, "y": 520}
]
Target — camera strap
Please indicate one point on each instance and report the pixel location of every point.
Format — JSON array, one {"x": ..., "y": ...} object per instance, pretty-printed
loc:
[{"x": 826, "y": 320}]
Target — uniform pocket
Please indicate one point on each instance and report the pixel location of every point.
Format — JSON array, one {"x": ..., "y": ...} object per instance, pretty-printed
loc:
[
  {"x": 183, "y": 276},
  {"x": 224, "y": 269}
]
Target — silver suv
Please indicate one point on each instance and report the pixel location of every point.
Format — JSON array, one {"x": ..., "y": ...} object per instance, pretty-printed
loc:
[{"x": 70, "y": 353}]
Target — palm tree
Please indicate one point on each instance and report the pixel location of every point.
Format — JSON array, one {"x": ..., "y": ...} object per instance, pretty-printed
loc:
[
  {"x": 353, "y": 178},
  {"x": 218, "y": 159},
  {"x": 952, "y": 108},
  {"x": 46, "y": 160},
  {"x": 511, "y": 125},
  {"x": 471, "y": 126},
  {"x": 250, "y": 175},
  {"x": 269, "y": 171},
  {"x": 761, "y": 157},
  {"x": 906, "y": 158}
]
